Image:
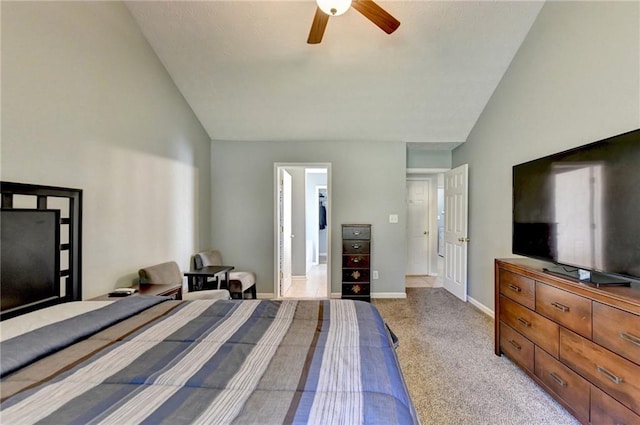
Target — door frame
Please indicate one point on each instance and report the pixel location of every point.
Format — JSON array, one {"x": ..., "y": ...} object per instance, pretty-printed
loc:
[
  {"x": 316, "y": 259},
  {"x": 276, "y": 208},
  {"x": 284, "y": 226},
  {"x": 414, "y": 174},
  {"x": 428, "y": 182}
]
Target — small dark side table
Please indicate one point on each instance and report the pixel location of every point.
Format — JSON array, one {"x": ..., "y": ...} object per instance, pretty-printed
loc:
[{"x": 198, "y": 279}]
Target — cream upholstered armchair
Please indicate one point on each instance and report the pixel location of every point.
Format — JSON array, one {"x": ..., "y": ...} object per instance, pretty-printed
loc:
[
  {"x": 169, "y": 274},
  {"x": 240, "y": 282}
]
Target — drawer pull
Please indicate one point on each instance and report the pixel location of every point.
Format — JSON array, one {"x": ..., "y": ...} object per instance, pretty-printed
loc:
[
  {"x": 356, "y": 260},
  {"x": 557, "y": 379},
  {"x": 356, "y": 232},
  {"x": 608, "y": 374},
  {"x": 514, "y": 288},
  {"x": 524, "y": 322},
  {"x": 515, "y": 345},
  {"x": 560, "y": 307},
  {"x": 355, "y": 246},
  {"x": 630, "y": 338}
]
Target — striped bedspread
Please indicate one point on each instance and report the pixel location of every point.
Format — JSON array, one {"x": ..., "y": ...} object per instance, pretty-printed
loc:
[{"x": 221, "y": 362}]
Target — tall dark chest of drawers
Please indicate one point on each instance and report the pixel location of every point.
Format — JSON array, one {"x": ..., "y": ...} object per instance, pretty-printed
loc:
[{"x": 356, "y": 262}]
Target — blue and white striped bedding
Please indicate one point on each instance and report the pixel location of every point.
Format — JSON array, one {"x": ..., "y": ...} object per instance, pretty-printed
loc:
[{"x": 232, "y": 362}]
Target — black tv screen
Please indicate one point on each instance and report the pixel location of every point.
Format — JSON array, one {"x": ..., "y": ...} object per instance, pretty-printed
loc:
[
  {"x": 581, "y": 207},
  {"x": 29, "y": 257}
]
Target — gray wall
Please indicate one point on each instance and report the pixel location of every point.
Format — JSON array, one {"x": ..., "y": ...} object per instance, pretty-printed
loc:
[
  {"x": 87, "y": 104},
  {"x": 422, "y": 157},
  {"x": 367, "y": 184},
  {"x": 575, "y": 79}
]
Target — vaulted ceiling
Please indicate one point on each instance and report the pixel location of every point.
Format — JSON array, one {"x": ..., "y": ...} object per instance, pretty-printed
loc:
[{"x": 248, "y": 73}]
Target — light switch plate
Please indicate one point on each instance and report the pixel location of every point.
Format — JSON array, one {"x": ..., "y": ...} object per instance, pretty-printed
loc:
[{"x": 393, "y": 218}]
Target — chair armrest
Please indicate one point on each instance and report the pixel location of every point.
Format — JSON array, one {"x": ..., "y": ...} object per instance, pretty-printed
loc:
[{"x": 165, "y": 273}]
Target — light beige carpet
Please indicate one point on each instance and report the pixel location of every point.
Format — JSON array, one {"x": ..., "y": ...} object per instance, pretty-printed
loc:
[
  {"x": 453, "y": 376},
  {"x": 422, "y": 282}
]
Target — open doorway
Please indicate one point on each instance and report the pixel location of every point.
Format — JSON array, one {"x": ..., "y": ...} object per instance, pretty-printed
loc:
[
  {"x": 302, "y": 231},
  {"x": 425, "y": 225}
]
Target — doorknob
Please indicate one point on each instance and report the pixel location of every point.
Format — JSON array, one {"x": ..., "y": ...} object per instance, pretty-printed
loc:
[
  {"x": 425, "y": 232},
  {"x": 463, "y": 239}
]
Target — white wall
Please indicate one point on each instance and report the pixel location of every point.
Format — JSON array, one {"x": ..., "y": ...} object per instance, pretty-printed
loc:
[
  {"x": 87, "y": 104},
  {"x": 367, "y": 184},
  {"x": 575, "y": 80}
]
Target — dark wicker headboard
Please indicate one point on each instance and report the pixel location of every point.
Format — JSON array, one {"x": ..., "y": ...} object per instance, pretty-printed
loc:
[{"x": 68, "y": 203}]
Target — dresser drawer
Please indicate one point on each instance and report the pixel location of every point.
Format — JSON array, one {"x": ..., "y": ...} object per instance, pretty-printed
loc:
[
  {"x": 356, "y": 289},
  {"x": 616, "y": 375},
  {"x": 354, "y": 261},
  {"x": 355, "y": 247},
  {"x": 607, "y": 411},
  {"x": 356, "y": 232},
  {"x": 570, "y": 310},
  {"x": 535, "y": 327},
  {"x": 617, "y": 330},
  {"x": 567, "y": 384},
  {"x": 519, "y": 288},
  {"x": 355, "y": 275},
  {"x": 516, "y": 347}
]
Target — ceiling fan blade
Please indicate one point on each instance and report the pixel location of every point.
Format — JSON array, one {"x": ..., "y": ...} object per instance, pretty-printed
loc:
[
  {"x": 317, "y": 27},
  {"x": 377, "y": 15}
]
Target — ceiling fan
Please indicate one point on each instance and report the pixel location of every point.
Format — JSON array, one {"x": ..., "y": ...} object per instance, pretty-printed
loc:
[{"x": 368, "y": 8}]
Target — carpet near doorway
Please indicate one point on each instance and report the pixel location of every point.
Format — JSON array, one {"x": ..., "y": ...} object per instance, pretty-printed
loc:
[
  {"x": 423, "y": 281},
  {"x": 454, "y": 377}
]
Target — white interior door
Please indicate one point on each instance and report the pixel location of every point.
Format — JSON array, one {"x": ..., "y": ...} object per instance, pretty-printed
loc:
[
  {"x": 418, "y": 219},
  {"x": 285, "y": 231},
  {"x": 456, "y": 198}
]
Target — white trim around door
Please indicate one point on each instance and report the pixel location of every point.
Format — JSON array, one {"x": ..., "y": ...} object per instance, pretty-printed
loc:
[{"x": 278, "y": 166}]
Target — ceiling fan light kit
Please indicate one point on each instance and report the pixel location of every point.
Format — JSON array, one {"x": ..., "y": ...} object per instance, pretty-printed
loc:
[
  {"x": 367, "y": 8},
  {"x": 334, "y": 7}
]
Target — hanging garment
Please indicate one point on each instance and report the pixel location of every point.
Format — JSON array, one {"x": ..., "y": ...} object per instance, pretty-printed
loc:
[{"x": 323, "y": 217}]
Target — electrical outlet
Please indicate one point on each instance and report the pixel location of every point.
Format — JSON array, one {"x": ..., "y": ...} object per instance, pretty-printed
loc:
[
  {"x": 393, "y": 218},
  {"x": 375, "y": 274}
]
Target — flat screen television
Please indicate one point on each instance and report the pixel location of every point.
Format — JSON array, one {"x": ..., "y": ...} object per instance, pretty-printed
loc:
[
  {"x": 29, "y": 258},
  {"x": 580, "y": 209}
]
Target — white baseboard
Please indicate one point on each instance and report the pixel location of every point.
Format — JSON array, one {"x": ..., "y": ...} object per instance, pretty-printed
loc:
[
  {"x": 398, "y": 295},
  {"x": 483, "y": 308}
]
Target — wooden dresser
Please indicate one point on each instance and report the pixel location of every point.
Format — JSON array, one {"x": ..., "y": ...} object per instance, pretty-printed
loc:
[
  {"x": 578, "y": 342},
  {"x": 356, "y": 261}
]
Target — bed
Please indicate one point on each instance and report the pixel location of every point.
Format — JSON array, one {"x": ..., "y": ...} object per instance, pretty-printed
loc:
[{"x": 145, "y": 359}]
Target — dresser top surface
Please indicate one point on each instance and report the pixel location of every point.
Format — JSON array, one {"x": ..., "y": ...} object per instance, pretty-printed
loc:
[{"x": 627, "y": 298}]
